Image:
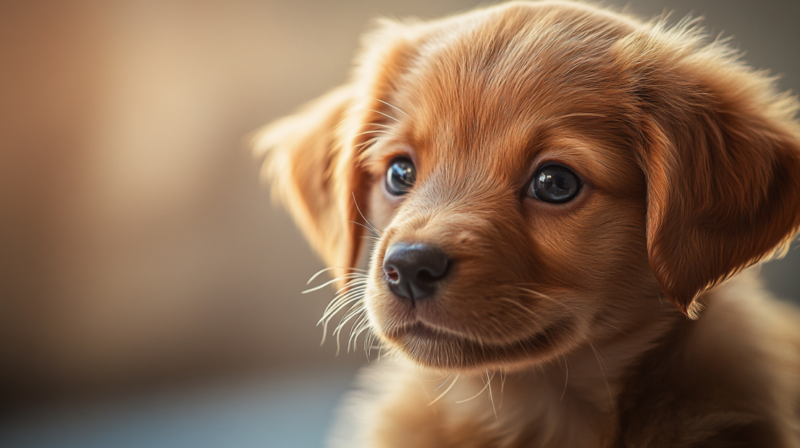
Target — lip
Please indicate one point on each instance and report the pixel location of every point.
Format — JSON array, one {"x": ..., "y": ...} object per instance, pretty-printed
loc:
[{"x": 438, "y": 349}]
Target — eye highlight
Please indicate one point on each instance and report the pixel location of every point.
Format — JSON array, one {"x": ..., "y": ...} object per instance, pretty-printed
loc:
[
  {"x": 400, "y": 176},
  {"x": 554, "y": 184}
]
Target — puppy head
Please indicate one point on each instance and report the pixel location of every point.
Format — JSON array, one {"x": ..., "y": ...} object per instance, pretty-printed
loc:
[{"x": 539, "y": 174}]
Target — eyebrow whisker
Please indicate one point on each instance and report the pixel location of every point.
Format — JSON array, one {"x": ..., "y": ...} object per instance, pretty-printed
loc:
[
  {"x": 371, "y": 227},
  {"x": 393, "y": 107},
  {"x": 385, "y": 115}
]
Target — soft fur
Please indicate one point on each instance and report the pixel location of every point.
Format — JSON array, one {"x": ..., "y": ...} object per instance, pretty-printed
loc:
[{"x": 608, "y": 321}]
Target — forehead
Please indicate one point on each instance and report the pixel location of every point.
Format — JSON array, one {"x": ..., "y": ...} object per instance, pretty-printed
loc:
[{"x": 503, "y": 86}]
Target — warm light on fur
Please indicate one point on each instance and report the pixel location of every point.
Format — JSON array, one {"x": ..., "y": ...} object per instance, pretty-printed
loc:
[{"x": 560, "y": 314}]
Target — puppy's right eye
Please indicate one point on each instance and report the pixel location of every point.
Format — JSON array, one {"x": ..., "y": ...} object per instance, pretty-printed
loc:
[
  {"x": 401, "y": 176},
  {"x": 555, "y": 184}
]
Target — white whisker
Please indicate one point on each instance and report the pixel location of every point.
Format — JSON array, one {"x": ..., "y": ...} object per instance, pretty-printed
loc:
[
  {"x": 491, "y": 397},
  {"x": 602, "y": 367},
  {"x": 381, "y": 124},
  {"x": 385, "y": 115},
  {"x": 339, "y": 303},
  {"x": 331, "y": 268},
  {"x": 373, "y": 228},
  {"x": 340, "y": 300},
  {"x": 474, "y": 396},
  {"x": 393, "y": 107},
  {"x": 445, "y": 391},
  {"x": 329, "y": 282}
]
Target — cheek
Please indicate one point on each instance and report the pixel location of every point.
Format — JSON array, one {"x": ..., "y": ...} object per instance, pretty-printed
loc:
[{"x": 593, "y": 246}]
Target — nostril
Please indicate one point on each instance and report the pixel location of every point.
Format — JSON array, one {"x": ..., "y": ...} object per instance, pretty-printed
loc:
[
  {"x": 433, "y": 273},
  {"x": 425, "y": 276},
  {"x": 392, "y": 273}
]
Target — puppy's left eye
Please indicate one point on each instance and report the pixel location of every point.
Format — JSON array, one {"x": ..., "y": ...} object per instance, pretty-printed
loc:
[
  {"x": 554, "y": 183},
  {"x": 401, "y": 176}
]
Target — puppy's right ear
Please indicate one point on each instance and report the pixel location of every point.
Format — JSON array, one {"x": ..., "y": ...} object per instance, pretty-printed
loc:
[
  {"x": 720, "y": 149},
  {"x": 316, "y": 175}
]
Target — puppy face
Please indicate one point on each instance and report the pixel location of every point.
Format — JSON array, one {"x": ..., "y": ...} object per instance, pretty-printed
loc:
[
  {"x": 539, "y": 175},
  {"x": 522, "y": 277}
]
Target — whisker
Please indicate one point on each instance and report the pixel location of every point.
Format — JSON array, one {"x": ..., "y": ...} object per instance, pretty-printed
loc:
[
  {"x": 334, "y": 309},
  {"x": 566, "y": 380},
  {"x": 338, "y": 301},
  {"x": 533, "y": 315},
  {"x": 502, "y": 388},
  {"x": 351, "y": 283},
  {"x": 474, "y": 396},
  {"x": 393, "y": 107},
  {"x": 362, "y": 225},
  {"x": 445, "y": 382},
  {"x": 361, "y": 324},
  {"x": 353, "y": 296},
  {"x": 547, "y": 298},
  {"x": 368, "y": 343},
  {"x": 445, "y": 391},
  {"x": 491, "y": 397},
  {"x": 385, "y": 115},
  {"x": 374, "y": 229},
  {"x": 352, "y": 312},
  {"x": 325, "y": 326},
  {"x": 601, "y": 365},
  {"x": 377, "y": 131},
  {"x": 330, "y": 268},
  {"x": 368, "y": 142},
  {"x": 372, "y": 336},
  {"x": 381, "y": 124},
  {"x": 329, "y": 282}
]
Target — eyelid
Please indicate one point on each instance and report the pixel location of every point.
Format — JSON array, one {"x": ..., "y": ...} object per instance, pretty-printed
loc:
[
  {"x": 544, "y": 161},
  {"x": 403, "y": 152}
]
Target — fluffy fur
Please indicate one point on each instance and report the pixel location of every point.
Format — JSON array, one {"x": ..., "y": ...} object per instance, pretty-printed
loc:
[{"x": 608, "y": 321}]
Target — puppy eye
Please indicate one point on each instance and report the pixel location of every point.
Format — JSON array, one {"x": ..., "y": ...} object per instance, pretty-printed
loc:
[
  {"x": 554, "y": 183},
  {"x": 401, "y": 176}
]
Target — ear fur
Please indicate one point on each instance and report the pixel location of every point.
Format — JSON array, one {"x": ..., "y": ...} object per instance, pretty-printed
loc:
[
  {"x": 314, "y": 158},
  {"x": 721, "y": 153},
  {"x": 314, "y": 175}
]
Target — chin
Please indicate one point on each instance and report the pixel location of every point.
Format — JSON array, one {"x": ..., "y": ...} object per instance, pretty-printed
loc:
[{"x": 443, "y": 350}]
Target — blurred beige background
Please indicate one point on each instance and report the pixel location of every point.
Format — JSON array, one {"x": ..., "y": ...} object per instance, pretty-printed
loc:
[{"x": 137, "y": 248}]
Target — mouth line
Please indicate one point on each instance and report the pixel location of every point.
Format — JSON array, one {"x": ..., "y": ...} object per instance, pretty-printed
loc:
[{"x": 442, "y": 349}]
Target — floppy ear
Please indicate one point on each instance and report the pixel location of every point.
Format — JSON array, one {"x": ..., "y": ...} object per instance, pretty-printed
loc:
[
  {"x": 315, "y": 157},
  {"x": 315, "y": 173},
  {"x": 721, "y": 154}
]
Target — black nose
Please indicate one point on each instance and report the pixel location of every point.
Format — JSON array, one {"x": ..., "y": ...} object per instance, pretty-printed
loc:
[{"x": 413, "y": 271}]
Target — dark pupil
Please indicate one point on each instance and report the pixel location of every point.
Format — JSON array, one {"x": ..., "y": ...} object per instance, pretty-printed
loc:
[
  {"x": 401, "y": 176},
  {"x": 555, "y": 184}
]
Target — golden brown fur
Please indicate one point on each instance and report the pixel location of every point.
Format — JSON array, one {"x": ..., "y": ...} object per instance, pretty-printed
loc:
[{"x": 690, "y": 163}]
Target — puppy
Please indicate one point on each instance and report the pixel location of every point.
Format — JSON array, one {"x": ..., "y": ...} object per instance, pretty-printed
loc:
[{"x": 559, "y": 198}]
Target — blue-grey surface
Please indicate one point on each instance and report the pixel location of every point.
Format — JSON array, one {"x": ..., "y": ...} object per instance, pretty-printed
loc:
[
  {"x": 781, "y": 276},
  {"x": 287, "y": 411}
]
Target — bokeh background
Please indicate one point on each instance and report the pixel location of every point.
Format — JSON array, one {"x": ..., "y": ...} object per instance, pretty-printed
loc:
[{"x": 149, "y": 291}]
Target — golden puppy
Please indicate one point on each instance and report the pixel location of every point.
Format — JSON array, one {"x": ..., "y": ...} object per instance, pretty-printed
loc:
[{"x": 542, "y": 181}]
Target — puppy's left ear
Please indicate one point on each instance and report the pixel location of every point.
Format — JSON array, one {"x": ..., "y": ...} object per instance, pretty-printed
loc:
[
  {"x": 316, "y": 174},
  {"x": 721, "y": 154},
  {"x": 315, "y": 158}
]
